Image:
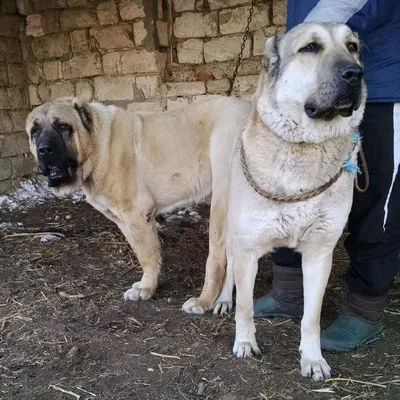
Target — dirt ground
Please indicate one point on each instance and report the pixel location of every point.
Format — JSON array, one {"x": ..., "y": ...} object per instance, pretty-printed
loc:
[{"x": 64, "y": 325}]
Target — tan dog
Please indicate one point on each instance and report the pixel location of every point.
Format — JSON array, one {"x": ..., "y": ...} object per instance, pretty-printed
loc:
[
  {"x": 289, "y": 185},
  {"x": 133, "y": 166}
]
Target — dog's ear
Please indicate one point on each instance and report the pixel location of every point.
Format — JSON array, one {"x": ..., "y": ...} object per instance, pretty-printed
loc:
[
  {"x": 271, "y": 54},
  {"x": 83, "y": 110}
]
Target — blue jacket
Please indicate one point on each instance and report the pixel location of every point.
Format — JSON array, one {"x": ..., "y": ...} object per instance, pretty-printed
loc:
[{"x": 378, "y": 25}]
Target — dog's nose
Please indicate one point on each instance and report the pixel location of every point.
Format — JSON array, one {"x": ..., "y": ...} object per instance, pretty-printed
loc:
[
  {"x": 46, "y": 149},
  {"x": 352, "y": 74}
]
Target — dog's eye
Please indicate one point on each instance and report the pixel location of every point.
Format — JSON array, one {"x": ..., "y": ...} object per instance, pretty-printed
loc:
[
  {"x": 352, "y": 47},
  {"x": 34, "y": 131},
  {"x": 310, "y": 48},
  {"x": 64, "y": 128}
]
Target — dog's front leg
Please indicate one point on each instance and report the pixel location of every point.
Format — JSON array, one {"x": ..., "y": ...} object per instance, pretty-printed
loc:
[
  {"x": 140, "y": 230},
  {"x": 245, "y": 267},
  {"x": 316, "y": 265}
]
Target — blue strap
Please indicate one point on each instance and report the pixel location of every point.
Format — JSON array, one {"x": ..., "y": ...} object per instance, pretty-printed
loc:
[{"x": 349, "y": 165}]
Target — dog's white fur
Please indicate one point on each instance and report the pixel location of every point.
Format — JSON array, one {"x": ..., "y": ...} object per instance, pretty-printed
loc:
[{"x": 287, "y": 153}]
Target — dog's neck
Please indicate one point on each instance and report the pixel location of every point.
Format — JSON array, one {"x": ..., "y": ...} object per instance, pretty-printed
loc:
[
  {"x": 92, "y": 169},
  {"x": 109, "y": 158},
  {"x": 284, "y": 167}
]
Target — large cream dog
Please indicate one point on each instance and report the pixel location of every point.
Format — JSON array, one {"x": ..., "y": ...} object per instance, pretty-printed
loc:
[
  {"x": 288, "y": 185},
  {"x": 133, "y": 166}
]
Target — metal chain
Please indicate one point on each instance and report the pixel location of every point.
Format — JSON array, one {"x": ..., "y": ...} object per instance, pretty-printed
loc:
[{"x": 245, "y": 37}]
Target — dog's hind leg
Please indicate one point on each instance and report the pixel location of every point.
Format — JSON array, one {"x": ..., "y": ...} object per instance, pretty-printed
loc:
[
  {"x": 221, "y": 151},
  {"x": 141, "y": 233},
  {"x": 216, "y": 260},
  {"x": 316, "y": 265},
  {"x": 224, "y": 302}
]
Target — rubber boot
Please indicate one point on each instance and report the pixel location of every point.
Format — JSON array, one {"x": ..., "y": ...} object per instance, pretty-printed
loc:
[
  {"x": 359, "y": 324},
  {"x": 286, "y": 298}
]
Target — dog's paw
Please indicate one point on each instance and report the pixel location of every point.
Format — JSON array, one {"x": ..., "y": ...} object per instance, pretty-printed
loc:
[
  {"x": 222, "y": 307},
  {"x": 136, "y": 292},
  {"x": 318, "y": 369},
  {"x": 245, "y": 349},
  {"x": 193, "y": 306}
]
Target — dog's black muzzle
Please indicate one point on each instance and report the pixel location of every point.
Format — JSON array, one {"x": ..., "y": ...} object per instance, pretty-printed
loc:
[
  {"x": 347, "y": 94},
  {"x": 53, "y": 160}
]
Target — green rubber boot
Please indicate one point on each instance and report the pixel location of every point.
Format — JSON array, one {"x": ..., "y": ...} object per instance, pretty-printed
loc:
[
  {"x": 349, "y": 332},
  {"x": 286, "y": 298},
  {"x": 268, "y": 307},
  {"x": 358, "y": 325}
]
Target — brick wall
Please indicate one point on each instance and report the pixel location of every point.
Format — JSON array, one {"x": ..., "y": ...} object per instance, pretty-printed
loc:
[
  {"x": 205, "y": 40},
  {"x": 138, "y": 54},
  {"x": 108, "y": 51},
  {"x": 15, "y": 161}
]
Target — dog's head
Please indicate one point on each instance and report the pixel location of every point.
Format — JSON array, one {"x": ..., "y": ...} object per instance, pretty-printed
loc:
[
  {"x": 314, "y": 76},
  {"x": 61, "y": 139}
]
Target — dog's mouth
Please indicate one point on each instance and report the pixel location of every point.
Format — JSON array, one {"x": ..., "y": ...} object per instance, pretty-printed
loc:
[
  {"x": 344, "y": 103},
  {"x": 57, "y": 176},
  {"x": 343, "y": 108},
  {"x": 329, "y": 113}
]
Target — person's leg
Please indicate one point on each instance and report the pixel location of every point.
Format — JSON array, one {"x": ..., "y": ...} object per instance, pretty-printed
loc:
[
  {"x": 286, "y": 297},
  {"x": 373, "y": 243}
]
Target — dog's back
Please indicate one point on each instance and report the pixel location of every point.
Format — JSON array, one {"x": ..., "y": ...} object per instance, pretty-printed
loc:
[{"x": 180, "y": 148}]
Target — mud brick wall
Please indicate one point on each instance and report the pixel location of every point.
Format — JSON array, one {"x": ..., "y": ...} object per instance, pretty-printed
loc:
[
  {"x": 143, "y": 55},
  {"x": 206, "y": 36},
  {"x": 108, "y": 51},
  {"x": 15, "y": 160}
]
